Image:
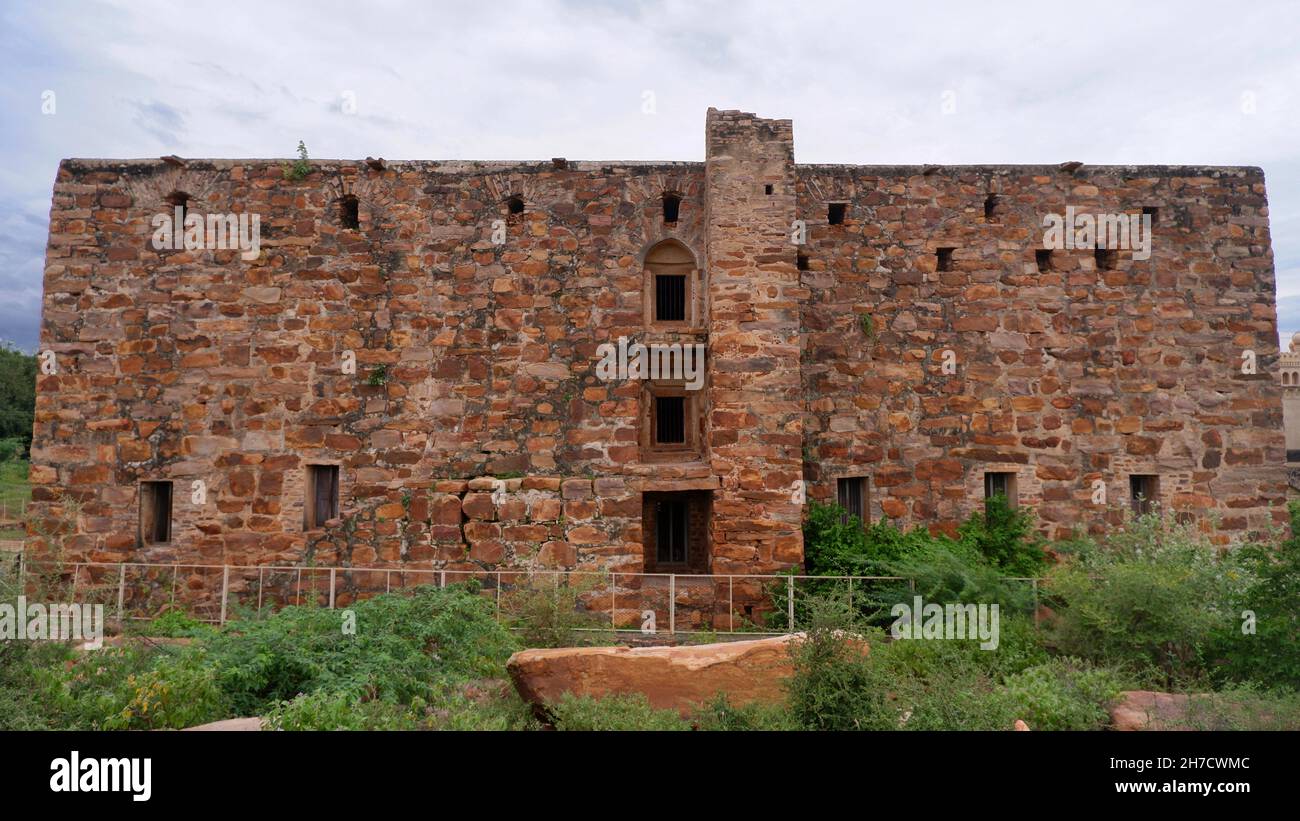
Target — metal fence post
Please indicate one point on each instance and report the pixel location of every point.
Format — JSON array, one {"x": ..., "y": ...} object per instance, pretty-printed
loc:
[
  {"x": 789, "y": 593},
  {"x": 121, "y": 591},
  {"x": 672, "y": 603},
  {"x": 731, "y": 603},
  {"x": 333, "y": 571},
  {"x": 1035, "y": 582},
  {"x": 613, "y": 602},
  {"x": 225, "y": 589}
]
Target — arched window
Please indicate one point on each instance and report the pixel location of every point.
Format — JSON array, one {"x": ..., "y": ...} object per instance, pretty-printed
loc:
[
  {"x": 515, "y": 205},
  {"x": 181, "y": 200},
  {"x": 672, "y": 204},
  {"x": 670, "y": 284}
]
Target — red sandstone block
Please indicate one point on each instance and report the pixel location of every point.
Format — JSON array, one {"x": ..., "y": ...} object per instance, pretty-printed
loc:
[{"x": 479, "y": 506}]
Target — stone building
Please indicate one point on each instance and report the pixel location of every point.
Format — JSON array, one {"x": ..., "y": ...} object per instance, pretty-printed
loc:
[{"x": 406, "y": 373}]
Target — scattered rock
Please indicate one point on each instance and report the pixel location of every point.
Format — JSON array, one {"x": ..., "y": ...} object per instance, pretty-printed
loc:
[
  {"x": 1021, "y": 726},
  {"x": 1148, "y": 710}
]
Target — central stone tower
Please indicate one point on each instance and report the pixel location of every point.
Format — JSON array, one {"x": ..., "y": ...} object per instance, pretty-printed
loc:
[{"x": 755, "y": 409}]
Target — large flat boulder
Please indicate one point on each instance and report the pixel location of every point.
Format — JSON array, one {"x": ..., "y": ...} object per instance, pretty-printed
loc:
[{"x": 677, "y": 678}]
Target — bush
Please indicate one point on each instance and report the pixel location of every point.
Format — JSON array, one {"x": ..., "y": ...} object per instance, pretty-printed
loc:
[
  {"x": 405, "y": 646},
  {"x": 1244, "y": 707},
  {"x": 1270, "y": 655},
  {"x": 1064, "y": 694},
  {"x": 333, "y": 710},
  {"x": 1155, "y": 596},
  {"x": 721, "y": 714},
  {"x": 178, "y": 691},
  {"x": 545, "y": 611},
  {"x": 622, "y": 712}
]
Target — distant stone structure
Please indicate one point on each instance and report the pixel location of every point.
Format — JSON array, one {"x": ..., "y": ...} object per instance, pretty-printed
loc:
[{"x": 404, "y": 375}]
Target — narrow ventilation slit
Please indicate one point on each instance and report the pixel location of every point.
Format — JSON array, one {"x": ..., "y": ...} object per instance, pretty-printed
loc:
[
  {"x": 672, "y": 204},
  {"x": 350, "y": 213}
]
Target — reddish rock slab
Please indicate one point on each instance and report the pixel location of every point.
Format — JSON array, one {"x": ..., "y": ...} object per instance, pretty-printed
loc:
[
  {"x": 677, "y": 678},
  {"x": 1148, "y": 710}
]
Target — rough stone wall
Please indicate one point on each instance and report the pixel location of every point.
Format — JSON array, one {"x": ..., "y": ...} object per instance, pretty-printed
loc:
[
  {"x": 478, "y": 358},
  {"x": 1063, "y": 376},
  {"x": 199, "y": 365},
  {"x": 755, "y": 402}
]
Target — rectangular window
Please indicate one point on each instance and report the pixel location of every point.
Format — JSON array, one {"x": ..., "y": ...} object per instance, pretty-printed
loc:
[
  {"x": 155, "y": 512},
  {"x": 851, "y": 494},
  {"x": 670, "y": 298},
  {"x": 835, "y": 213},
  {"x": 944, "y": 258},
  {"x": 1000, "y": 484},
  {"x": 1144, "y": 492},
  {"x": 322, "y": 495},
  {"x": 1043, "y": 257},
  {"x": 1106, "y": 259},
  {"x": 670, "y": 420},
  {"x": 672, "y": 531}
]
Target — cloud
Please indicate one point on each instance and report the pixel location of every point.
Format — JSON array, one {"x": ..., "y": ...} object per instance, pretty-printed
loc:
[{"x": 532, "y": 79}]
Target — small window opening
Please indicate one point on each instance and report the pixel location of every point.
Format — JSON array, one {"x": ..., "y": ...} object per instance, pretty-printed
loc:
[
  {"x": 1153, "y": 212},
  {"x": 670, "y": 420},
  {"x": 992, "y": 208},
  {"x": 155, "y": 512},
  {"x": 181, "y": 200},
  {"x": 1043, "y": 256},
  {"x": 672, "y": 203},
  {"x": 851, "y": 494},
  {"x": 1000, "y": 484},
  {"x": 801, "y": 262},
  {"x": 1144, "y": 493},
  {"x": 945, "y": 258},
  {"x": 835, "y": 213},
  {"x": 1106, "y": 258},
  {"x": 515, "y": 205},
  {"x": 768, "y": 189},
  {"x": 322, "y": 495},
  {"x": 672, "y": 530},
  {"x": 670, "y": 297},
  {"x": 350, "y": 213}
]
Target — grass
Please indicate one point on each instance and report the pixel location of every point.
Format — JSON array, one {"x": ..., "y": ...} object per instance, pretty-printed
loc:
[{"x": 15, "y": 492}]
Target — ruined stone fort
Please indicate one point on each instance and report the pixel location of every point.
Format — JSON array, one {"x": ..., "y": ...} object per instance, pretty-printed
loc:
[{"x": 405, "y": 375}]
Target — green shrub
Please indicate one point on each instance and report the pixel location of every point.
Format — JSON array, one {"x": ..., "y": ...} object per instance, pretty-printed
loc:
[
  {"x": 1154, "y": 596},
  {"x": 1271, "y": 654},
  {"x": 1004, "y": 536},
  {"x": 631, "y": 711},
  {"x": 721, "y": 714},
  {"x": 1243, "y": 707},
  {"x": 333, "y": 710},
  {"x": 405, "y": 646},
  {"x": 545, "y": 611},
  {"x": 178, "y": 691},
  {"x": 176, "y": 624},
  {"x": 1064, "y": 694}
]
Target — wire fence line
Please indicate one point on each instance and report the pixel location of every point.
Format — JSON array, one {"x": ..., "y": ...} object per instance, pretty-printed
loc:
[{"x": 647, "y": 603}]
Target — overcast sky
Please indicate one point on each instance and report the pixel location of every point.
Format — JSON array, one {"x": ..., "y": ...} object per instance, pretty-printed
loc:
[{"x": 1183, "y": 82}]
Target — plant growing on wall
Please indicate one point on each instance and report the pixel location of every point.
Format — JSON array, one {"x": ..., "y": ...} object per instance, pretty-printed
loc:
[
  {"x": 868, "y": 326},
  {"x": 378, "y": 377},
  {"x": 299, "y": 168}
]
